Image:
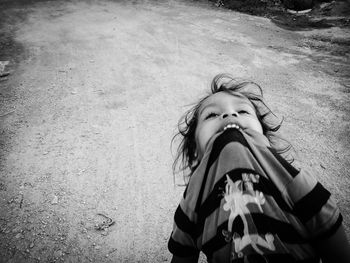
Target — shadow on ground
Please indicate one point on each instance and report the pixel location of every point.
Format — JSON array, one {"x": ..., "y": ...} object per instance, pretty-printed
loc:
[
  {"x": 329, "y": 48},
  {"x": 322, "y": 15},
  {"x": 330, "y": 51},
  {"x": 12, "y": 13},
  {"x": 11, "y": 50}
]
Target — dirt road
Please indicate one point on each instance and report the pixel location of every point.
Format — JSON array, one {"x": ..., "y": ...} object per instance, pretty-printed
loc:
[{"x": 92, "y": 101}]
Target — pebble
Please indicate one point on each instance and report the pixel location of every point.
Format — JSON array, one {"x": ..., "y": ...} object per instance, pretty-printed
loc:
[
  {"x": 54, "y": 200},
  {"x": 17, "y": 229},
  {"x": 57, "y": 254}
]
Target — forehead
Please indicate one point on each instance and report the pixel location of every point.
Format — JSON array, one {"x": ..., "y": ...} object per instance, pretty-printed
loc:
[{"x": 222, "y": 98}]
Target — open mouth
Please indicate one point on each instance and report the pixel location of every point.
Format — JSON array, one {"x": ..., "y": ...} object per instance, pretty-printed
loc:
[{"x": 231, "y": 126}]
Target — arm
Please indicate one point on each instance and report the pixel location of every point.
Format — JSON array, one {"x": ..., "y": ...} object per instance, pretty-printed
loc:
[
  {"x": 176, "y": 259},
  {"x": 336, "y": 248}
]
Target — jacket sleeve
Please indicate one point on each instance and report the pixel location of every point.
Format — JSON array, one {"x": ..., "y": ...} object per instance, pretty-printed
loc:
[
  {"x": 182, "y": 242},
  {"x": 313, "y": 205}
]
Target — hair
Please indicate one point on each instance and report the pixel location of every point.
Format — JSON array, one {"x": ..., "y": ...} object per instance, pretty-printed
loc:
[{"x": 186, "y": 157}]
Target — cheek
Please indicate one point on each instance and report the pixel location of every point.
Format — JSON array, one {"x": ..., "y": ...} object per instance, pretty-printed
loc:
[
  {"x": 258, "y": 127},
  {"x": 201, "y": 138},
  {"x": 196, "y": 139},
  {"x": 253, "y": 123}
]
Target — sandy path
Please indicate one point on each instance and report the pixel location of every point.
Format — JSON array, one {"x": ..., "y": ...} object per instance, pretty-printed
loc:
[{"x": 94, "y": 105}]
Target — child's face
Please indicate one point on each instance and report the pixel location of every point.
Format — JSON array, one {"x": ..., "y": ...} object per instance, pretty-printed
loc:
[{"x": 220, "y": 110}]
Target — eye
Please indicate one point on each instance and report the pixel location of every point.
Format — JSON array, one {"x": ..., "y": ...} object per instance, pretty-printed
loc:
[
  {"x": 211, "y": 115},
  {"x": 243, "y": 112}
]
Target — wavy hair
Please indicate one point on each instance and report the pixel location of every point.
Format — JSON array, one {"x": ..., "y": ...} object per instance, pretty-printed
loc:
[{"x": 186, "y": 157}]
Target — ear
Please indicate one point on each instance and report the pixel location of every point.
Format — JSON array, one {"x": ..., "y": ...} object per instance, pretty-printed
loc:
[
  {"x": 195, "y": 155},
  {"x": 196, "y": 159}
]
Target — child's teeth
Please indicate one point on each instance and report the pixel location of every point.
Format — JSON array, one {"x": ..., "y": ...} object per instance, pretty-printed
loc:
[{"x": 232, "y": 126}]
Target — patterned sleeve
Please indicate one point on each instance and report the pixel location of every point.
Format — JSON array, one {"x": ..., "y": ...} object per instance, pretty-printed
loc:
[
  {"x": 313, "y": 205},
  {"x": 182, "y": 241}
]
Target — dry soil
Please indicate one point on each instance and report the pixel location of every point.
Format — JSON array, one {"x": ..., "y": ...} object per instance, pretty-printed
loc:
[{"x": 92, "y": 99}]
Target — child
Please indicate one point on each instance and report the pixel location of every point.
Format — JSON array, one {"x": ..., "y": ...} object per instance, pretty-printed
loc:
[{"x": 243, "y": 201}]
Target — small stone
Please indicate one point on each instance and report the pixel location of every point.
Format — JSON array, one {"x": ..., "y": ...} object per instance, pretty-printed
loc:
[
  {"x": 97, "y": 247},
  {"x": 17, "y": 229},
  {"x": 57, "y": 254},
  {"x": 19, "y": 235},
  {"x": 54, "y": 200},
  {"x": 31, "y": 245}
]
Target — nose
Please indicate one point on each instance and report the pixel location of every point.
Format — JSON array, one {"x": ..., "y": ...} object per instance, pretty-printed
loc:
[{"x": 225, "y": 115}]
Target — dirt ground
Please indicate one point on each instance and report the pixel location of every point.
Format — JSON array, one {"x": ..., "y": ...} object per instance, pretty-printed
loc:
[{"x": 92, "y": 96}]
